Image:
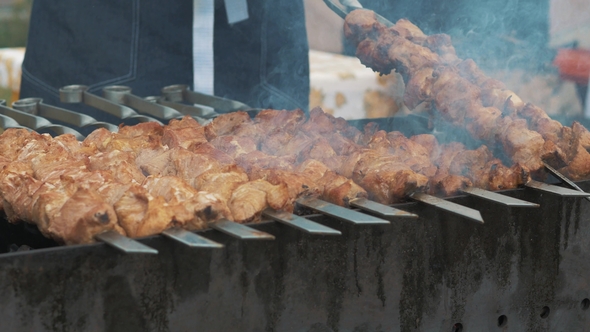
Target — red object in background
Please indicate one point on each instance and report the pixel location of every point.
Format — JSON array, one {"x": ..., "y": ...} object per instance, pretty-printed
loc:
[{"x": 573, "y": 65}]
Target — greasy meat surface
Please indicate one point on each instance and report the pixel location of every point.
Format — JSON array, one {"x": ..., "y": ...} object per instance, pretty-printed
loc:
[
  {"x": 222, "y": 181},
  {"x": 298, "y": 184},
  {"x": 13, "y": 140},
  {"x": 455, "y": 96},
  {"x": 283, "y": 144},
  {"x": 386, "y": 180},
  {"x": 428, "y": 142},
  {"x": 249, "y": 199},
  {"x": 419, "y": 88},
  {"x": 234, "y": 145},
  {"x": 82, "y": 216},
  {"x": 273, "y": 121},
  {"x": 215, "y": 153},
  {"x": 337, "y": 189},
  {"x": 225, "y": 123},
  {"x": 190, "y": 208},
  {"x": 410, "y": 153},
  {"x": 260, "y": 159},
  {"x": 141, "y": 129},
  {"x": 361, "y": 24},
  {"x": 448, "y": 184},
  {"x": 459, "y": 168},
  {"x": 121, "y": 163},
  {"x": 185, "y": 133}
]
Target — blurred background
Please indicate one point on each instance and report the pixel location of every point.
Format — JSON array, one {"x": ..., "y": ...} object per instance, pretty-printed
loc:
[{"x": 14, "y": 27}]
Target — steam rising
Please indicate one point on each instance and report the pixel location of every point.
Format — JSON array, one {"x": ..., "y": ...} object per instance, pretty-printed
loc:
[{"x": 502, "y": 34}]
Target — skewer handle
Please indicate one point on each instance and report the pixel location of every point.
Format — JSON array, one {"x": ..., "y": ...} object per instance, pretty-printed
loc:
[
  {"x": 240, "y": 231},
  {"x": 201, "y": 112},
  {"x": 124, "y": 243},
  {"x": 563, "y": 178},
  {"x": 341, "y": 213},
  {"x": 381, "y": 209},
  {"x": 122, "y": 94},
  {"x": 549, "y": 188},
  {"x": 497, "y": 198},
  {"x": 190, "y": 239},
  {"x": 451, "y": 207},
  {"x": 79, "y": 94},
  {"x": 300, "y": 223},
  {"x": 181, "y": 92}
]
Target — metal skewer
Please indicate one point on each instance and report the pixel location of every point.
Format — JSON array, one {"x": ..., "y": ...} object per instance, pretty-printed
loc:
[
  {"x": 498, "y": 198},
  {"x": 190, "y": 239},
  {"x": 37, "y": 123},
  {"x": 204, "y": 112},
  {"x": 300, "y": 223},
  {"x": 555, "y": 189},
  {"x": 351, "y": 3},
  {"x": 563, "y": 178},
  {"x": 340, "y": 212},
  {"x": 194, "y": 111},
  {"x": 451, "y": 207},
  {"x": 122, "y": 95},
  {"x": 240, "y": 231},
  {"x": 124, "y": 243},
  {"x": 79, "y": 94},
  {"x": 381, "y": 209},
  {"x": 344, "y": 7},
  {"x": 8, "y": 122},
  {"x": 36, "y": 106},
  {"x": 180, "y": 92}
]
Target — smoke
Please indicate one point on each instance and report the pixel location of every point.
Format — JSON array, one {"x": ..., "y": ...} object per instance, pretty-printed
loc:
[{"x": 496, "y": 34}]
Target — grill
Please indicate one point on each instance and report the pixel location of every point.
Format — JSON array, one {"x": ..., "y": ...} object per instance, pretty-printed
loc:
[{"x": 421, "y": 265}]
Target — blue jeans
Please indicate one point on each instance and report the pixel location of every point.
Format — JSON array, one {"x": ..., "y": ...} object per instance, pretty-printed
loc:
[{"x": 147, "y": 44}]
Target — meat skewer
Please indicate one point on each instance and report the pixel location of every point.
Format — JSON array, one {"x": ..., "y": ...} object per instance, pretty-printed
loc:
[
  {"x": 150, "y": 178},
  {"x": 465, "y": 97}
]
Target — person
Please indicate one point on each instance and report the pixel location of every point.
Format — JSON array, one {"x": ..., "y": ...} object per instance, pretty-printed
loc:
[{"x": 148, "y": 44}]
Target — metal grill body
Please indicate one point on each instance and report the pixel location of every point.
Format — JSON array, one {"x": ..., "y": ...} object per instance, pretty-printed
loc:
[{"x": 425, "y": 274}]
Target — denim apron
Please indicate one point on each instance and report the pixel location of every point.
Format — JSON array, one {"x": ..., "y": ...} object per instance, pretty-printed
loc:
[{"x": 147, "y": 44}]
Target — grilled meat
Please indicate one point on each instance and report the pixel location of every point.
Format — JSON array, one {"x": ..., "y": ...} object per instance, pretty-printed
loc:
[{"x": 464, "y": 96}]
